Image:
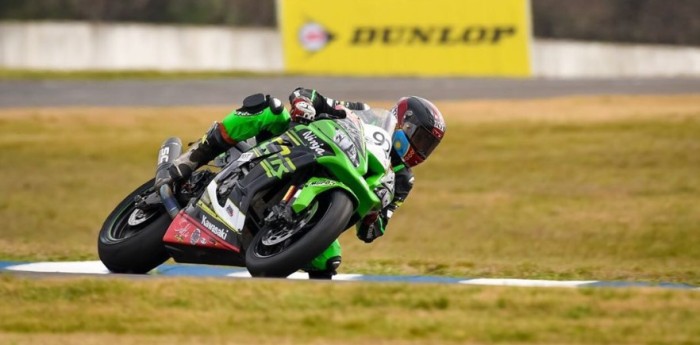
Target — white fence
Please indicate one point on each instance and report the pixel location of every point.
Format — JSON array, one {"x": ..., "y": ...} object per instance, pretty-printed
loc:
[
  {"x": 574, "y": 59},
  {"x": 86, "y": 46},
  {"x": 90, "y": 46}
]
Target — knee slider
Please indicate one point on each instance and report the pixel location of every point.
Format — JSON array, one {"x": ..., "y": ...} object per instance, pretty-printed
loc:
[{"x": 333, "y": 263}]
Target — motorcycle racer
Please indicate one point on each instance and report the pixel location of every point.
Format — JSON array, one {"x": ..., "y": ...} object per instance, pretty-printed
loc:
[{"x": 420, "y": 128}]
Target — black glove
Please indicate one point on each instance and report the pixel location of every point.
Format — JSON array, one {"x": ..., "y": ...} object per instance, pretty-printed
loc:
[{"x": 373, "y": 225}]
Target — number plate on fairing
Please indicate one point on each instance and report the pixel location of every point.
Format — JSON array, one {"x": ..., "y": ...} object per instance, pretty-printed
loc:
[{"x": 379, "y": 144}]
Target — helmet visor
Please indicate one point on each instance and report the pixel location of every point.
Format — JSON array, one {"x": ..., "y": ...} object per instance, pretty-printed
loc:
[{"x": 423, "y": 141}]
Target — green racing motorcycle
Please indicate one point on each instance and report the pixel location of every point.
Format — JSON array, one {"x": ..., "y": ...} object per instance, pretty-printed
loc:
[{"x": 272, "y": 207}]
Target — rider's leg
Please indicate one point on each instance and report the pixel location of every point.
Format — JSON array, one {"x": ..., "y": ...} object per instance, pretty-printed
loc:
[
  {"x": 212, "y": 144},
  {"x": 325, "y": 265}
]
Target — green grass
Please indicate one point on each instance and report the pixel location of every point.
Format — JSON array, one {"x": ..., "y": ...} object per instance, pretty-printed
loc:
[
  {"x": 611, "y": 200},
  {"x": 267, "y": 312}
]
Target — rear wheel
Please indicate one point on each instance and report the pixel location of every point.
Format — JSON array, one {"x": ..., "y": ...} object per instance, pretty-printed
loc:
[
  {"x": 131, "y": 239},
  {"x": 280, "y": 251}
]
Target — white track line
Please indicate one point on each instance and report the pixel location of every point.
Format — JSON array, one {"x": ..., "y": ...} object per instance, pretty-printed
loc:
[
  {"x": 96, "y": 267},
  {"x": 527, "y": 282}
]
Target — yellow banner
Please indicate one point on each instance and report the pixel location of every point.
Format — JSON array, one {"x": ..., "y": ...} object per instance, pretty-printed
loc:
[{"x": 406, "y": 37}]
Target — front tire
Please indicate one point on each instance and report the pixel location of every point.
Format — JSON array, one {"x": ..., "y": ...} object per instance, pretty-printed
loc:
[
  {"x": 325, "y": 226},
  {"x": 131, "y": 241}
]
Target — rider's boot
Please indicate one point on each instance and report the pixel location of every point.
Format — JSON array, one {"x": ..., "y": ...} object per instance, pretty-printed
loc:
[
  {"x": 328, "y": 272},
  {"x": 215, "y": 142},
  {"x": 325, "y": 266}
]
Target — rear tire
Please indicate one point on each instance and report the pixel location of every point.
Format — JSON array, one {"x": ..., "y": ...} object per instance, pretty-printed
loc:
[
  {"x": 334, "y": 214},
  {"x": 138, "y": 248}
]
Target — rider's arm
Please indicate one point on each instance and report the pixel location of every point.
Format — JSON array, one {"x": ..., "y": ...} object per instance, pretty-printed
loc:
[
  {"x": 404, "y": 181},
  {"x": 259, "y": 115},
  {"x": 374, "y": 225},
  {"x": 325, "y": 105}
]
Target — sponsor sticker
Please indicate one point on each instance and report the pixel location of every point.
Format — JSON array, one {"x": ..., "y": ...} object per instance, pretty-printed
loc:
[
  {"x": 399, "y": 37},
  {"x": 213, "y": 228},
  {"x": 321, "y": 183},
  {"x": 312, "y": 139},
  {"x": 196, "y": 235}
]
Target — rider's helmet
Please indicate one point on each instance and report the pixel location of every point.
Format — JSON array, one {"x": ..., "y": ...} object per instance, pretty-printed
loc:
[{"x": 419, "y": 129}]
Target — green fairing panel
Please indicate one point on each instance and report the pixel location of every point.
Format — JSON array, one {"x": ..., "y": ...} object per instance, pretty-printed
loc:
[
  {"x": 348, "y": 177},
  {"x": 242, "y": 127},
  {"x": 375, "y": 171},
  {"x": 314, "y": 187}
]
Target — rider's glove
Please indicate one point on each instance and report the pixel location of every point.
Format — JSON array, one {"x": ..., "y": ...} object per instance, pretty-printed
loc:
[
  {"x": 302, "y": 110},
  {"x": 373, "y": 225}
]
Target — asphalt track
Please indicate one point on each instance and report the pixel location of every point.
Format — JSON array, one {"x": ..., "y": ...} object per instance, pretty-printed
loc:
[{"x": 60, "y": 93}]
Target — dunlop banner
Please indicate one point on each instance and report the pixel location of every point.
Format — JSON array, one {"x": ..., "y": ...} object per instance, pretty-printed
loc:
[{"x": 406, "y": 37}]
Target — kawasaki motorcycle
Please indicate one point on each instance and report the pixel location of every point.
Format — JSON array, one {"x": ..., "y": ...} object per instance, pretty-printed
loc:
[{"x": 272, "y": 207}]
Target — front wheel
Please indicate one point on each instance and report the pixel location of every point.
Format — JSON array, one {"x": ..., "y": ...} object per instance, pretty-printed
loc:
[
  {"x": 131, "y": 240},
  {"x": 279, "y": 252}
]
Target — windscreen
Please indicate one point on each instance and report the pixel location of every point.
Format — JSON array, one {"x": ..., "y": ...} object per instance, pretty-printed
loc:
[{"x": 378, "y": 117}]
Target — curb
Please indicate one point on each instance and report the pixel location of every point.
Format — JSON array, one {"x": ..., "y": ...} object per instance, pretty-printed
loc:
[{"x": 184, "y": 270}]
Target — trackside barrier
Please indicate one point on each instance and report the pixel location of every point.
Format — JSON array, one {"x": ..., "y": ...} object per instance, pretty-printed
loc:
[{"x": 74, "y": 46}]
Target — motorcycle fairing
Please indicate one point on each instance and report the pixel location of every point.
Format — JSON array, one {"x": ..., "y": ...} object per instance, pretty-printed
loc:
[
  {"x": 271, "y": 163},
  {"x": 337, "y": 165},
  {"x": 185, "y": 229},
  {"x": 225, "y": 204},
  {"x": 219, "y": 218},
  {"x": 303, "y": 136},
  {"x": 188, "y": 241},
  {"x": 315, "y": 186}
]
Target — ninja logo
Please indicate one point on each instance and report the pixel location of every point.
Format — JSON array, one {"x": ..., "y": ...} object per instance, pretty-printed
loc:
[{"x": 313, "y": 143}]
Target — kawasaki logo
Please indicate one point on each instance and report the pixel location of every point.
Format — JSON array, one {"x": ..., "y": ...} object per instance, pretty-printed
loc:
[
  {"x": 313, "y": 144},
  {"x": 433, "y": 35},
  {"x": 213, "y": 228}
]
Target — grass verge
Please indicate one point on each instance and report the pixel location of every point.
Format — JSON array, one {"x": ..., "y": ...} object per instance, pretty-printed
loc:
[{"x": 87, "y": 311}]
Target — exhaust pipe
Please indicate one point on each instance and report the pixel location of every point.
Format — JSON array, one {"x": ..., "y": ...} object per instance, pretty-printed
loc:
[
  {"x": 169, "y": 151},
  {"x": 168, "y": 199}
]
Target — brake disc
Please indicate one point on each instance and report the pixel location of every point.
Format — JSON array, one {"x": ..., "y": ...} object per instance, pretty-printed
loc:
[{"x": 276, "y": 236}]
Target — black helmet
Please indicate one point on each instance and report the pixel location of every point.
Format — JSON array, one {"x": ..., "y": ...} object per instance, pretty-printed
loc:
[{"x": 419, "y": 129}]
